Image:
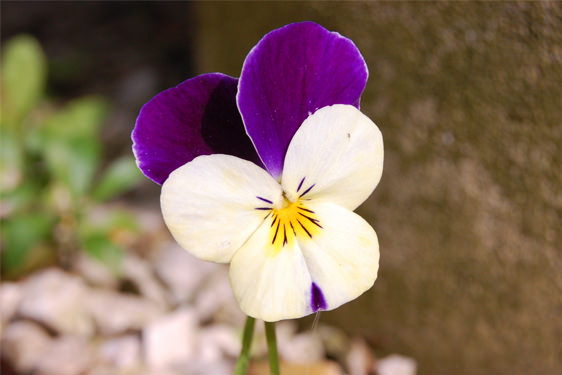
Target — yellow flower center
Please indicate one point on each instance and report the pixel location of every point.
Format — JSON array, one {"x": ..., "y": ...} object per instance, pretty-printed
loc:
[{"x": 293, "y": 220}]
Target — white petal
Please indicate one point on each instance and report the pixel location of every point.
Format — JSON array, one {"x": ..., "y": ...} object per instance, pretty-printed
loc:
[
  {"x": 343, "y": 258},
  {"x": 209, "y": 204},
  {"x": 270, "y": 285},
  {"x": 337, "y": 150}
]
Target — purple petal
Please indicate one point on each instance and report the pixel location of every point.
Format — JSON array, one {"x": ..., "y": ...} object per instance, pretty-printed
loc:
[
  {"x": 317, "y": 301},
  {"x": 287, "y": 76},
  {"x": 197, "y": 117}
]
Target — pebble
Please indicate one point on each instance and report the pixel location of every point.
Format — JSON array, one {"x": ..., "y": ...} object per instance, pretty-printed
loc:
[
  {"x": 197, "y": 366},
  {"x": 94, "y": 272},
  {"x": 171, "y": 339},
  {"x": 396, "y": 365},
  {"x": 218, "y": 342},
  {"x": 24, "y": 343},
  {"x": 139, "y": 271},
  {"x": 10, "y": 297},
  {"x": 57, "y": 299},
  {"x": 122, "y": 352},
  {"x": 286, "y": 368},
  {"x": 302, "y": 348},
  {"x": 216, "y": 295},
  {"x": 181, "y": 272},
  {"x": 68, "y": 355},
  {"x": 335, "y": 341},
  {"x": 359, "y": 359},
  {"x": 115, "y": 313}
]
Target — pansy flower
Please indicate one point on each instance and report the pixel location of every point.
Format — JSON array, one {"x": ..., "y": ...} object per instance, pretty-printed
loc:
[{"x": 264, "y": 172}]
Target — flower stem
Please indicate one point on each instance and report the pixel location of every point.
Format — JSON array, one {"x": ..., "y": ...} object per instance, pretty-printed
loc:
[
  {"x": 244, "y": 358},
  {"x": 272, "y": 348}
]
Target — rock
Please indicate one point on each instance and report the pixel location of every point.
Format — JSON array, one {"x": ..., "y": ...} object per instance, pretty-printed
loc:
[
  {"x": 68, "y": 355},
  {"x": 359, "y": 358},
  {"x": 171, "y": 339},
  {"x": 23, "y": 344},
  {"x": 57, "y": 299},
  {"x": 335, "y": 341},
  {"x": 217, "y": 342},
  {"x": 115, "y": 313},
  {"x": 304, "y": 347},
  {"x": 10, "y": 297},
  {"x": 94, "y": 272},
  {"x": 122, "y": 352},
  {"x": 396, "y": 365},
  {"x": 285, "y": 330},
  {"x": 182, "y": 272},
  {"x": 197, "y": 366},
  {"x": 215, "y": 299},
  {"x": 287, "y": 368},
  {"x": 139, "y": 271}
]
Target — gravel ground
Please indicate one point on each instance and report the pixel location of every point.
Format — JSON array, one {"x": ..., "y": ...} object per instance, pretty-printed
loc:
[{"x": 165, "y": 313}]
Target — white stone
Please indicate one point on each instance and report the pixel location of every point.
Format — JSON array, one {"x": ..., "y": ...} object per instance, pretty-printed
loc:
[
  {"x": 335, "y": 341},
  {"x": 304, "y": 347},
  {"x": 24, "y": 343},
  {"x": 115, "y": 313},
  {"x": 171, "y": 339},
  {"x": 68, "y": 355},
  {"x": 182, "y": 272},
  {"x": 10, "y": 297},
  {"x": 122, "y": 352},
  {"x": 285, "y": 330},
  {"x": 94, "y": 272},
  {"x": 396, "y": 365},
  {"x": 218, "y": 342},
  {"x": 139, "y": 271},
  {"x": 202, "y": 367},
  {"x": 215, "y": 298},
  {"x": 57, "y": 299},
  {"x": 359, "y": 359}
]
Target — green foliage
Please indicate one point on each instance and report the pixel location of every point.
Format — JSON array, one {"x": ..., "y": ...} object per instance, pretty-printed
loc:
[
  {"x": 24, "y": 72},
  {"x": 104, "y": 250},
  {"x": 119, "y": 177},
  {"x": 49, "y": 160},
  {"x": 21, "y": 234}
]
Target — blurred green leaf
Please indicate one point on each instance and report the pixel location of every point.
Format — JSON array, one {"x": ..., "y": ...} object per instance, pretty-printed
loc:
[
  {"x": 21, "y": 199},
  {"x": 106, "y": 220},
  {"x": 71, "y": 145},
  {"x": 101, "y": 248},
  {"x": 11, "y": 159},
  {"x": 120, "y": 219},
  {"x": 24, "y": 72},
  {"x": 20, "y": 234},
  {"x": 73, "y": 162},
  {"x": 120, "y": 176},
  {"x": 81, "y": 118}
]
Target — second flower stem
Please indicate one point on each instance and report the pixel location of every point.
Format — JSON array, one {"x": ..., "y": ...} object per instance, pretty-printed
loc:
[
  {"x": 244, "y": 359},
  {"x": 272, "y": 348}
]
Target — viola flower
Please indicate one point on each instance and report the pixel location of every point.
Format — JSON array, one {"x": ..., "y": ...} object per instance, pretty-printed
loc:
[{"x": 264, "y": 172}]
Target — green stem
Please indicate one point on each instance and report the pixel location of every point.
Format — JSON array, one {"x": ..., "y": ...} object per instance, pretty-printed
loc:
[
  {"x": 244, "y": 358},
  {"x": 272, "y": 348}
]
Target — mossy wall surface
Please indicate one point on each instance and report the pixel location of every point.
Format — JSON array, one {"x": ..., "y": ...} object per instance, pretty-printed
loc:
[{"x": 468, "y": 97}]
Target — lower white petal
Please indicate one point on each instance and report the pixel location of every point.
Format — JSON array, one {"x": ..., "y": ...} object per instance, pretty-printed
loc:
[
  {"x": 213, "y": 204},
  {"x": 342, "y": 258},
  {"x": 269, "y": 284}
]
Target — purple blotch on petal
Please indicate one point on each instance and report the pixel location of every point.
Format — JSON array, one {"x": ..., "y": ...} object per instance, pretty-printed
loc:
[
  {"x": 317, "y": 301},
  {"x": 197, "y": 117},
  {"x": 292, "y": 72}
]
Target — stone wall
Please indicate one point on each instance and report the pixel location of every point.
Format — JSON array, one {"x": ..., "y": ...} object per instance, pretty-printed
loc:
[{"x": 469, "y": 209}]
